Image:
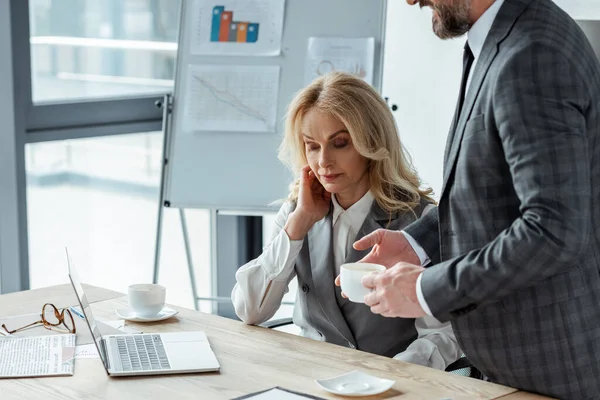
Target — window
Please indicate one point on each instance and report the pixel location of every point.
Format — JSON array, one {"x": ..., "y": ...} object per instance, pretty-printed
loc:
[
  {"x": 82, "y": 49},
  {"x": 99, "y": 197},
  {"x": 93, "y": 172}
]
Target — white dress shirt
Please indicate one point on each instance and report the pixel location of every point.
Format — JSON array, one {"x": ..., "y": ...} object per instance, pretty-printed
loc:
[
  {"x": 346, "y": 224},
  {"x": 476, "y": 38},
  {"x": 262, "y": 282}
]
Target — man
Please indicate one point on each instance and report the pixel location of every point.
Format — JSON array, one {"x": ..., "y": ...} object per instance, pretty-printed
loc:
[{"x": 515, "y": 242}]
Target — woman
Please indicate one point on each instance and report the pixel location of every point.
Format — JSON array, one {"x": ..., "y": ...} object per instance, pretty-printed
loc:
[{"x": 354, "y": 178}]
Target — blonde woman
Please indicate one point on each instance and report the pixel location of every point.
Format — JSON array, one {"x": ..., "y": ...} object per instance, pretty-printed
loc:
[{"x": 354, "y": 177}]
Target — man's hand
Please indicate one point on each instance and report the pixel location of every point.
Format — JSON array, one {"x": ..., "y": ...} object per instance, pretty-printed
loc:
[
  {"x": 395, "y": 291},
  {"x": 389, "y": 248}
]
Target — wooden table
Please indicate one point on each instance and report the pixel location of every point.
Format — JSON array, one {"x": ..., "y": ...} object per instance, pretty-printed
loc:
[{"x": 251, "y": 358}]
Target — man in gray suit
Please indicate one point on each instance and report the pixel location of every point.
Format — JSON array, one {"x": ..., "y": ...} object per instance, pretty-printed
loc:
[{"x": 515, "y": 242}]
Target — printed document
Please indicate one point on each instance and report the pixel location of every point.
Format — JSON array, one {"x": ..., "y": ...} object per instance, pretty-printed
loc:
[{"x": 36, "y": 355}]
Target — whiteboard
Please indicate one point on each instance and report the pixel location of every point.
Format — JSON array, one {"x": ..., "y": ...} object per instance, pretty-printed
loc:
[{"x": 230, "y": 170}]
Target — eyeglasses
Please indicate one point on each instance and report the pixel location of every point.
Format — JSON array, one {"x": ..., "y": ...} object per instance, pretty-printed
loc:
[{"x": 52, "y": 319}]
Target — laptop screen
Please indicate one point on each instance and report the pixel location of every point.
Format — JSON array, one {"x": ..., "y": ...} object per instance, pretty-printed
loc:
[{"x": 87, "y": 311}]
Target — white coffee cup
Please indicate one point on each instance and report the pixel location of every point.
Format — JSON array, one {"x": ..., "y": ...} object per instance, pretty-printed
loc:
[
  {"x": 146, "y": 299},
  {"x": 351, "y": 279}
]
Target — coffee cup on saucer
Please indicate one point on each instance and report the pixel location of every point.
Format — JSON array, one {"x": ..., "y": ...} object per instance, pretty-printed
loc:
[{"x": 146, "y": 299}]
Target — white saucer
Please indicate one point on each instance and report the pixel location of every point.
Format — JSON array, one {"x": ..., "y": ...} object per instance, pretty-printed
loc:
[
  {"x": 355, "y": 384},
  {"x": 130, "y": 315}
]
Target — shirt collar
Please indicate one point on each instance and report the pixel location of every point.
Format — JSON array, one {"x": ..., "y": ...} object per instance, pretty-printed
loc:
[
  {"x": 355, "y": 213},
  {"x": 480, "y": 29}
]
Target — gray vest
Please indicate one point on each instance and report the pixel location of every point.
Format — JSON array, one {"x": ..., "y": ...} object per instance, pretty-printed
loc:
[{"x": 322, "y": 312}]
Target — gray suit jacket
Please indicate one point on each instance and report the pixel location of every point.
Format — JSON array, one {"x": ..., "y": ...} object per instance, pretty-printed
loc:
[
  {"x": 516, "y": 236},
  {"x": 320, "y": 310},
  {"x": 324, "y": 314}
]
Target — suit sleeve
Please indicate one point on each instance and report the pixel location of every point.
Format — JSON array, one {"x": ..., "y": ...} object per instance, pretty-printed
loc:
[
  {"x": 539, "y": 103},
  {"x": 425, "y": 231}
]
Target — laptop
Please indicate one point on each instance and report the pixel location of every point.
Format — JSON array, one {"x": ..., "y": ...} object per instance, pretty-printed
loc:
[{"x": 146, "y": 354}]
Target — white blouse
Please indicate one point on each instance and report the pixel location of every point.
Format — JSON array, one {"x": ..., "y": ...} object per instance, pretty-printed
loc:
[{"x": 262, "y": 282}]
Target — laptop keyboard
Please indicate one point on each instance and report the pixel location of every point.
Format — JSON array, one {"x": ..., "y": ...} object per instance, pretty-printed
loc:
[{"x": 142, "y": 352}]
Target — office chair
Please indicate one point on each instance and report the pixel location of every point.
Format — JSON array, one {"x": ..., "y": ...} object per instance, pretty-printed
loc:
[{"x": 462, "y": 366}]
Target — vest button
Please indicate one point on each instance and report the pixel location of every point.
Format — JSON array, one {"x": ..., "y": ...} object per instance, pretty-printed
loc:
[{"x": 305, "y": 288}]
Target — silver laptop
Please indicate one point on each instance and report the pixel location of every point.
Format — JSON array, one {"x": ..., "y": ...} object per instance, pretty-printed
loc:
[{"x": 146, "y": 354}]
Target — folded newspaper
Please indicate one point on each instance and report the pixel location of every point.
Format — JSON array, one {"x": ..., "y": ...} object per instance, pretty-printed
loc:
[{"x": 31, "y": 356}]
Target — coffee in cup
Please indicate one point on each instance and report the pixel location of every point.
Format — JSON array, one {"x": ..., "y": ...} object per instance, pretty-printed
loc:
[
  {"x": 146, "y": 299},
  {"x": 351, "y": 279}
]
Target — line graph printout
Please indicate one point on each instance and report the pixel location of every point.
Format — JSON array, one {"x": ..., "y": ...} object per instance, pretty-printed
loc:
[
  {"x": 353, "y": 55},
  {"x": 237, "y": 27},
  {"x": 231, "y": 98}
]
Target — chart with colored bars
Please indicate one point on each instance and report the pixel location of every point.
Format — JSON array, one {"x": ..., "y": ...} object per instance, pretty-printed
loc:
[
  {"x": 232, "y": 98},
  {"x": 251, "y": 28},
  {"x": 224, "y": 28}
]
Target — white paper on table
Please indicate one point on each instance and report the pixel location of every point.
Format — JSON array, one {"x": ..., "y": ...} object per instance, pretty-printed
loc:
[
  {"x": 131, "y": 330},
  {"x": 117, "y": 324},
  {"x": 352, "y": 55},
  {"x": 120, "y": 325},
  {"x": 230, "y": 98},
  {"x": 237, "y": 27},
  {"x": 86, "y": 351},
  {"x": 31, "y": 356}
]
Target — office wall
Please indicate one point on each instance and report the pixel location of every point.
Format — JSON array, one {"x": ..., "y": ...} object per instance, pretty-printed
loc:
[
  {"x": 421, "y": 75},
  {"x": 592, "y": 31}
]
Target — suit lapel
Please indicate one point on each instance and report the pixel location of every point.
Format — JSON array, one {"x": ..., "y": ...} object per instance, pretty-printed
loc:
[
  {"x": 320, "y": 242},
  {"x": 451, "y": 133},
  {"x": 507, "y": 15}
]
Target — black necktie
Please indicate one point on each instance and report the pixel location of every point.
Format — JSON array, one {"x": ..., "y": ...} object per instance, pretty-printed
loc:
[{"x": 468, "y": 59}]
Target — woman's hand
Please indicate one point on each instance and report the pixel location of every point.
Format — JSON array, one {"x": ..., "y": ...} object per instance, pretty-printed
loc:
[
  {"x": 313, "y": 200},
  {"x": 313, "y": 205}
]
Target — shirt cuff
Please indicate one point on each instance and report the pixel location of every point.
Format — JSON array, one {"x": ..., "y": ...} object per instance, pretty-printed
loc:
[
  {"x": 421, "y": 298},
  {"x": 423, "y": 257},
  {"x": 280, "y": 256}
]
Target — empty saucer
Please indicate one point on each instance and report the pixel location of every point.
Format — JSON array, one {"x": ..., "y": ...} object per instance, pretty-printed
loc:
[
  {"x": 355, "y": 384},
  {"x": 130, "y": 315}
]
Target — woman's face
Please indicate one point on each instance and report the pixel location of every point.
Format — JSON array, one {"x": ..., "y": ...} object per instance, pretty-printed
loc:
[{"x": 333, "y": 158}]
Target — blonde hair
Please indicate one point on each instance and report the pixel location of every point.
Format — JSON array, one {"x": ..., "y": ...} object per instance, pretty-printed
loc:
[{"x": 393, "y": 180}]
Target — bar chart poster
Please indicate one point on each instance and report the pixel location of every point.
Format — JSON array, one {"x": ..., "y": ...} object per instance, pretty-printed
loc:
[
  {"x": 231, "y": 98},
  {"x": 237, "y": 27}
]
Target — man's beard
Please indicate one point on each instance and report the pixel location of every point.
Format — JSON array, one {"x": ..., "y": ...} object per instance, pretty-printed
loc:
[{"x": 452, "y": 17}]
